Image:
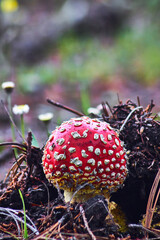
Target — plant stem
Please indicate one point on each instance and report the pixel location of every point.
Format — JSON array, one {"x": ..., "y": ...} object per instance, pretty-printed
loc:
[
  {"x": 10, "y": 111},
  {"x": 47, "y": 129},
  {"x": 85, "y": 98},
  {"x": 22, "y": 126},
  {"x": 11, "y": 124}
]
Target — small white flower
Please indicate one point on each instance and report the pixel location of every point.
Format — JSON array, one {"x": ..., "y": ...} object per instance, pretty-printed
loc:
[
  {"x": 45, "y": 117},
  {"x": 8, "y": 86},
  {"x": 93, "y": 110},
  {"x": 20, "y": 109}
]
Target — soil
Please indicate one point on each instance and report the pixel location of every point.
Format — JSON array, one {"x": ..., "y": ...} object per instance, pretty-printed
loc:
[{"x": 52, "y": 218}]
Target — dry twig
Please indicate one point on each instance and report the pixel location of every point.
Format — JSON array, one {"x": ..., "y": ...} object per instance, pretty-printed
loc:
[
  {"x": 152, "y": 201},
  {"x": 57, "y": 104},
  {"x": 86, "y": 223}
]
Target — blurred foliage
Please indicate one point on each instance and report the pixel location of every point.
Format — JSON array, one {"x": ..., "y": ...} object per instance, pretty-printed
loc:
[
  {"x": 138, "y": 54},
  {"x": 146, "y": 4},
  {"x": 133, "y": 54},
  {"x": 76, "y": 61}
]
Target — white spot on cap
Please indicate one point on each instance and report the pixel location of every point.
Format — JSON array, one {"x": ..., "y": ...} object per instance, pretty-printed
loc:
[
  {"x": 60, "y": 141},
  {"x": 104, "y": 151},
  {"x": 117, "y": 142},
  {"x": 91, "y": 178},
  {"x": 122, "y": 160},
  {"x": 106, "y": 161},
  {"x": 118, "y": 175},
  {"x": 98, "y": 179},
  {"x": 102, "y": 139},
  {"x": 113, "y": 160},
  {"x": 109, "y": 127},
  {"x": 113, "y": 174},
  {"x": 77, "y": 124},
  {"x": 50, "y": 166},
  {"x": 91, "y": 161},
  {"x": 101, "y": 170},
  {"x": 117, "y": 155},
  {"x": 122, "y": 168},
  {"x": 94, "y": 172},
  {"x": 109, "y": 137},
  {"x": 104, "y": 183},
  {"x": 61, "y": 157},
  {"x": 108, "y": 169},
  {"x": 110, "y": 152},
  {"x": 122, "y": 144},
  {"x": 121, "y": 152},
  {"x": 55, "y": 154},
  {"x": 75, "y": 135},
  {"x": 83, "y": 152},
  {"x": 85, "y": 133},
  {"x": 48, "y": 175},
  {"x": 111, "y": 166},
  {"x": 63, "y": 166},
  {"x": 96, "y": 136},
  {"x": 86, "y": 174},
  {"x": 84, "y": 178},
  {"x": 50, "y": 148},
  {"x": 46, "y": 164},
  {"x": 78, "y": 119},
  {"x": 66, "y": 174},
  {"x": 117, "y": 165},
  {"x": 114, "y": 146},
  {"x": 111, "y": 183},
  {"x": 87, "y": 168},
  {"x": 97, "y": 151},
  {"x": 76, "y": 161},
  {"x": 90, "y": 148},
  {"x": 99, "y": 163},
  {"x": 71, "y": 149},
  {"x": 72, "y": 168},
  {"x": 76, "y": 175},
  {"x": 104, "y": 175},
  {"x": 62, "y": 130},
  {"x": 48, "y": 156},
  {"x": 64, "y": 147},
  {"x": 57, "y": 173},
  {"x": 95, "y": 120},
  {"x": 50, "y": 138}
]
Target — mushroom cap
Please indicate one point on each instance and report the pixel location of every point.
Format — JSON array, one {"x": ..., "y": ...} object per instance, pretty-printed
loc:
[{"x": 85, "y": 151}]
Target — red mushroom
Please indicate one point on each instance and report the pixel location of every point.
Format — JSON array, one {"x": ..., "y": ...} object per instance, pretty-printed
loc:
[{"x": 85, "y": 151}]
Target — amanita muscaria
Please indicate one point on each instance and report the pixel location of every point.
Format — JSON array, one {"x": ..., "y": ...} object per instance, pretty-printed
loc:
[{"x": 85, "y": 151}]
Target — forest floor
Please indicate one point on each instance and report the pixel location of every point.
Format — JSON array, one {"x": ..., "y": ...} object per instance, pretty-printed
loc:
[{"x": 49, "y": 217}]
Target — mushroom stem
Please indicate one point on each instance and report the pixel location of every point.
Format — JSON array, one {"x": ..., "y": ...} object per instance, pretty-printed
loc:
[{"x": 81, "y": 196}]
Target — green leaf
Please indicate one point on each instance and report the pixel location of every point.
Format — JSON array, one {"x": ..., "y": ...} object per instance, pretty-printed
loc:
[
  {"x": 24, "y": 210},
  {"x": 34, "y": 140}
]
